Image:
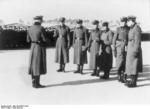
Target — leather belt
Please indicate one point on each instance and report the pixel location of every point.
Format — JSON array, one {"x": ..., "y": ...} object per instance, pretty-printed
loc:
[
  {"x": 79, "y": 38},
  {"x": 95, "y": 41},
  {"x": 120, "y": 40},
  {"x": 37, "y": 42},
  {"x": 60, "y": 36},
  {"x": 131, "y": 40}
]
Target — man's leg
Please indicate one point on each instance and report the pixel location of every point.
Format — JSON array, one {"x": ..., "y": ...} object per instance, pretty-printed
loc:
[
  {"x": 60, "y": 68},
  {"x": 37, "y": 82},
  {"x": 63, "y": 67},
  {"x": 106, "y": 74},
  {"x": 81, "y": 68},
  {"x": 119, "y": 74},
  {"x": 33, "y": 81},
  {"x": 94, "y": 73},
  {"x": 78, "y": 69}
]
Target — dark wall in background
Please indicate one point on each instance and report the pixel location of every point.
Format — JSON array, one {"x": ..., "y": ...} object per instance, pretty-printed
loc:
[{"x": 10, "y": 39}]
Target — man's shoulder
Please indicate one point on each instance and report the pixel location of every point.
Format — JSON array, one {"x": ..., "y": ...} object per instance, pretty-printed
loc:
[
  {"x": 138, "y": 28},
  {"x": 35, "y": 27},
  {"x": 67, "y": 27},
  {"x": 110, "y": 32}
]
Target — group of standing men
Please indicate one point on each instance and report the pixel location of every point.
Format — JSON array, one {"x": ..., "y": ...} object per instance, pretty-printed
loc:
[{"x": 101, "y": 44}]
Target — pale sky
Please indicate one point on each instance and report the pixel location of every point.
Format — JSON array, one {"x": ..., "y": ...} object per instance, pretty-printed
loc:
[{"x": 13, "y": 10}]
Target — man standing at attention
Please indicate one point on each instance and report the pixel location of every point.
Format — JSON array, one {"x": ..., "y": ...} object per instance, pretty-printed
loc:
[
  {"x": 80, "y": 42},
  {"x": 37, "y": 66},
  {"x": 106, "y": 55},
  {"x": 62, "y": 33},
  {"x": 133, "y": 52},
  {"x": 119, "y": 47}
]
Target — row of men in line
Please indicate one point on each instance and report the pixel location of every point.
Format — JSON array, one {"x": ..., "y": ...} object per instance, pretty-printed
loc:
[{"x": 101, "y": 45}]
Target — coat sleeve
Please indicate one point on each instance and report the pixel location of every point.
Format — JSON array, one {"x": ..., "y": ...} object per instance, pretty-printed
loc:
[
  {"x": 68, "y": 36},
  {"x": 110, "y": 38},
  {"x": 137, "y": 39},
  {"x": 100, "y": 48},
  {"x": 115, "y": 38},
  {"x": 90, "y": 41},
  {"x": 43, "y": 35},
  {"x": 55, "y": 32},
  {"x": 126, "y": 42},
  {"x": 74, "y": 36},
  {"x": 86, "y": 38},
  {"x": 28, "y": 37}
]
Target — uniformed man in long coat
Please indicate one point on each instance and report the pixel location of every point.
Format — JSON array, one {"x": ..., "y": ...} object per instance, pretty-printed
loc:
[
  {"x": 133, "y": 52},
  {"x": 94, "y": 47},
  {"x": 62, "y": 44},
  {"x": 37, "y": 66},
  {"x": 119, "y": 47},
  {"x": 106, "y": 55},
  {"x": 80, "y": 42}
]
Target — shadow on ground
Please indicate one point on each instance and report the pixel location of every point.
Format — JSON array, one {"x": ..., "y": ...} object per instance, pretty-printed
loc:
[
  {"x": 144, "y": 76},
  {"x": 81, "y": 82}
]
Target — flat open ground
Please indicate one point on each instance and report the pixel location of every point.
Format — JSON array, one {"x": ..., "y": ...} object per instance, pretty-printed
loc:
[{"x": 67, "y": 88}]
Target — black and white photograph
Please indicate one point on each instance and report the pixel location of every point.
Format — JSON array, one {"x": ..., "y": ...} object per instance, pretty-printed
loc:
[{"x": 74, "y": 52}]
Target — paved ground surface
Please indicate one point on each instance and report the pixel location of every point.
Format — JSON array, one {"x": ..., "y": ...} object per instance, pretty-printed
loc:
[{"x": 67, "y": 88}]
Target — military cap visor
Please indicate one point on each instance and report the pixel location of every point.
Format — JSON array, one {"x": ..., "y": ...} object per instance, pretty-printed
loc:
[
  {"x": 79, "y": 21},
  {"x": 132, "y": 18},
  {"x": 95, "y": 22},
  {"x": 38, "y": 18},
  {"x": 105, "y": 24},
  {"x": 62, "y": 19},
  {"x": 124, "y": 19}
]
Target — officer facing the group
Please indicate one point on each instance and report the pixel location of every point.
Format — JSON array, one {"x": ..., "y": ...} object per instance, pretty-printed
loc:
[
  {"x": 106, "y": 55},
  {"x": 80, "y": 42},
  {"x": 133, "y": 52},
  {"x": 119, "y": 47},
  {"x": 37, "y": 66},
  {"x": 94, "y": 47},
  {"x": 62, "y": 33}
]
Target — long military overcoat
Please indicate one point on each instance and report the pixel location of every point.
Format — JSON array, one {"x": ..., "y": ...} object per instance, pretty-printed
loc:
[
  {"x": 106, "y": 56},
  {"x": 80, "y": 42},
  {"x": 62, "y": 44},
  {"x": 120, "y": 40},
  {"x": 37, "y": 63},
  {"x": 134, "y": 50},
  {"x": 94, "y": 45}
]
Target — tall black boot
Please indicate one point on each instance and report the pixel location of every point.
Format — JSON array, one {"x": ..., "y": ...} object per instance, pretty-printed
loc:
[
  {"x": 33, "y": 81},
  {"x": 63, "y": 67},
  {"x": 119, "y": 75},
  {"x": 60, "y": 68},
  {"x": 38, "y": 82},
  {"x": 78, "y": 69},
  {"x": 124, "y": 78},
  {"x": 129, "y": 81},
  {"x": 81, "y": 69},
  {"x": 94, "y": 73},
  {"x": 98, "y": 72},
  {"x": 106, "y": 74},
  {"x": 134, "y": 81}
]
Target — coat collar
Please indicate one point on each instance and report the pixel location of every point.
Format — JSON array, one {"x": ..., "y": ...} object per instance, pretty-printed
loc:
[{"x": 80, "y": 27}]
